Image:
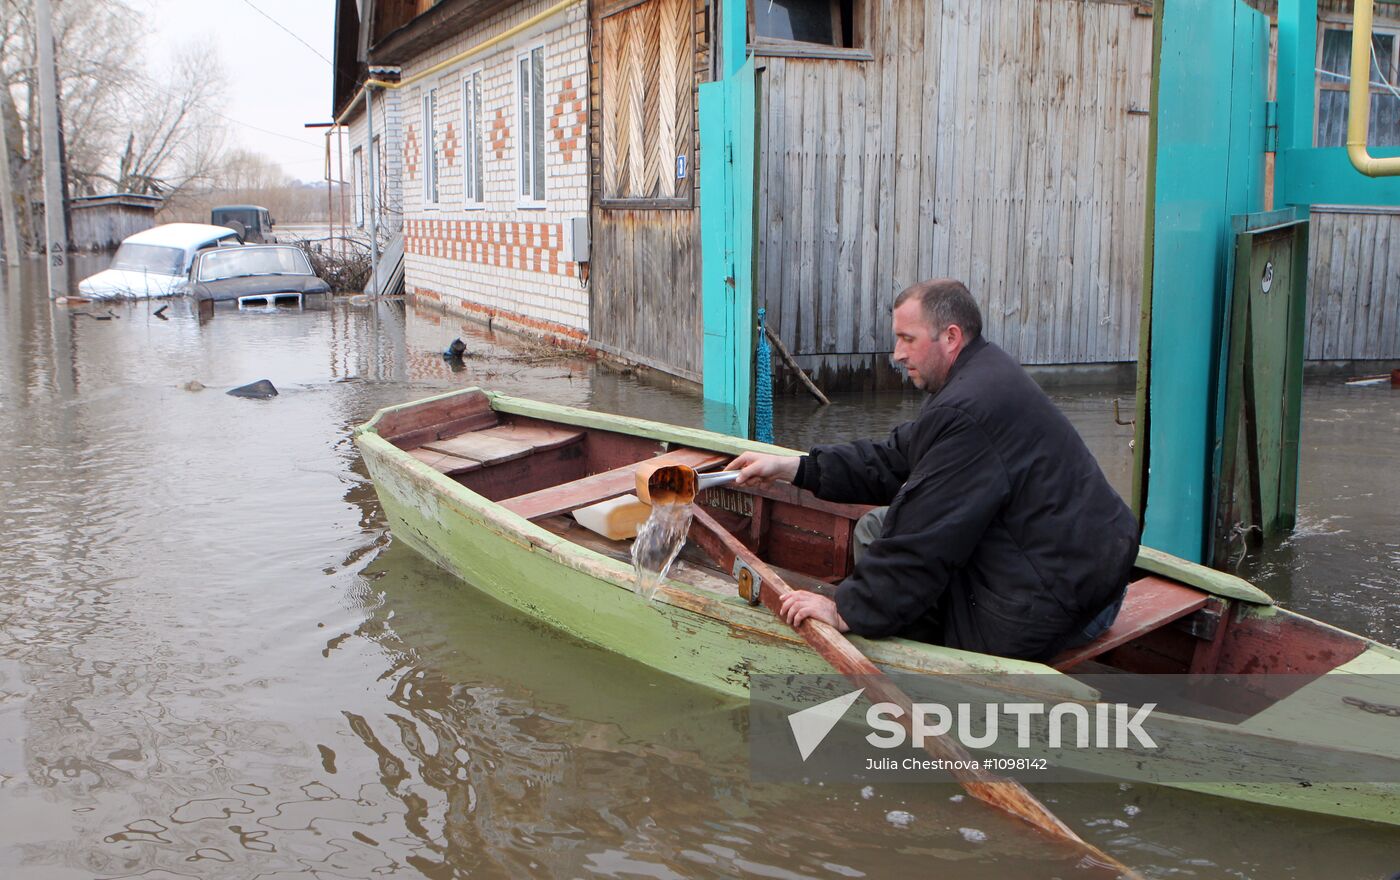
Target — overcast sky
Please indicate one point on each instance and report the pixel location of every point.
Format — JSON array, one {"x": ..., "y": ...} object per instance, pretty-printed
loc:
[{"x": 274, "y": 83}]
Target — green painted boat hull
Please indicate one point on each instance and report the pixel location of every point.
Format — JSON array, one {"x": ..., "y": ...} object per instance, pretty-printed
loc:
[{"x": 718, "y": 642}]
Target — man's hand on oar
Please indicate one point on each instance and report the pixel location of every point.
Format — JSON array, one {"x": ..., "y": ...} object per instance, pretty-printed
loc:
[{"x": 800, "y": 605}]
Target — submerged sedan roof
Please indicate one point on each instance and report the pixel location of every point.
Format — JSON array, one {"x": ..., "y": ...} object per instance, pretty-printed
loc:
[{"x": 180, "y": 235}]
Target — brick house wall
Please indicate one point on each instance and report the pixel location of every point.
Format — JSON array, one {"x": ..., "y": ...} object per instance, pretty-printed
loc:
[
  {"x": 500, "y": 259},
  {"x": 389, "y": 172}
]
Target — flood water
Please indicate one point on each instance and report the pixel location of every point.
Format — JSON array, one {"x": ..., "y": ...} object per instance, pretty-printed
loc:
[{"x": 215, "y": 661}]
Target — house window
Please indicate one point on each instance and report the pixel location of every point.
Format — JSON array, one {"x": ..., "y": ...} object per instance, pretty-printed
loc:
[
  {"x": 1334, "y": 78},
  {"x": 430, "y": 147},
  {"x": 647, "y": 117},
  {"x": 472, "y": 177},
  {"x": 530, "y": 87},
  {"x": 831, "y": 23},
  {"x": 380, "y": 184},
  {"x": 357, "y": 174}
]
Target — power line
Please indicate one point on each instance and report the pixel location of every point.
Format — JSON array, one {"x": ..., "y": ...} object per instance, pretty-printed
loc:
[
  {"x": 289, "y": 32},
  {"x": 151, "y": 83}
]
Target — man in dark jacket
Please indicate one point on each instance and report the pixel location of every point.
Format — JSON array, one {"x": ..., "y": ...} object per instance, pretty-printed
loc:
[{"x": 1002, "y": 535}]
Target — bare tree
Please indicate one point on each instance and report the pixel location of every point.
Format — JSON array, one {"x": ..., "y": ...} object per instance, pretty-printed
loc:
[
  {"x": 121, "y": 127},
  {"x": 173, "y": 140}
]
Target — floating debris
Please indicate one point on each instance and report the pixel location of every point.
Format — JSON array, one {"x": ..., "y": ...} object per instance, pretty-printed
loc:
[
  {"x": 899, "y": 818},
  {"x": 259, "y": 390},
  {"x": 972, "y": 835},
  {"x": 195, "y": 385}
]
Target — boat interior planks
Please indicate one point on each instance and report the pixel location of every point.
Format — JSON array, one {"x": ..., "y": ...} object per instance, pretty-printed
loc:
[
  {"x": 1150, "y": 603},
  {"x": 542, "y": 470},
  {"x": 602, "y": 486}
]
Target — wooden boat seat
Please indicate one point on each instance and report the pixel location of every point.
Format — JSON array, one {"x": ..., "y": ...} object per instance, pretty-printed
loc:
[
  {"x": 473, "y": 450},
  {"x": 601, "y": 487},
  {"x": 1151, "y": 603}
]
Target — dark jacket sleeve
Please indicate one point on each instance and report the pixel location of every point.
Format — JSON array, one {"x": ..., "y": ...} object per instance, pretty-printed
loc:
[
  {"x": 933, "y": 525},
  {"x": 863, "y": 472}
]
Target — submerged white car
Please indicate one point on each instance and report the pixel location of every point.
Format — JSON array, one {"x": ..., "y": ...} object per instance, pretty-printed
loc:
[{"x": 155, "y": 262}]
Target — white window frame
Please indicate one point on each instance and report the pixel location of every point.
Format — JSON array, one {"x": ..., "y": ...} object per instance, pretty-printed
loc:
[
  {"x": 539, "y": 191},
  {"x": 473, "y": 146},
  {"x": 376, "y": 157},
  {"x": 432, "y": 179},
  {"x": 357, "y": 175}
]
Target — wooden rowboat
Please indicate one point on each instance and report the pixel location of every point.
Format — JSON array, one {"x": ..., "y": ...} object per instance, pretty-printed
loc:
[{"x": 482, "y": 484}]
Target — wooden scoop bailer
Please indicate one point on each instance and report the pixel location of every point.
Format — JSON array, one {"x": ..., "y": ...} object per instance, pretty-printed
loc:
[{"x": 676, "y": 483}]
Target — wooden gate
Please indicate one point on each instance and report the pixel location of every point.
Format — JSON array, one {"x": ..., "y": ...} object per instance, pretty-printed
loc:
[{"x": 647, "y": 59}]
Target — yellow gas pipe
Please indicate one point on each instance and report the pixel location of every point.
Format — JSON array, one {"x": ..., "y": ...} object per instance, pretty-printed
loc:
[{"x": 1359, "y": 94}]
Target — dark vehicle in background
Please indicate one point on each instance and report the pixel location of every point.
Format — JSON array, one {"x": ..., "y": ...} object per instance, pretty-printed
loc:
[
  {"x": 252, "y": 222},
  {"x": 260, "y": 274}
]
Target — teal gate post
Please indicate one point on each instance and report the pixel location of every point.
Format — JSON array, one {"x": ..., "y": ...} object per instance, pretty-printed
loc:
[
  {"x": 1206, "y": 164},
  {"x": 728, "y": 143},
  {"x": 1211, "y": 127}
]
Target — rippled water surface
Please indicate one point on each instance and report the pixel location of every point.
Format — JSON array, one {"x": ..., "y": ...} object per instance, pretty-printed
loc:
[{"x": 216, "y": 662}]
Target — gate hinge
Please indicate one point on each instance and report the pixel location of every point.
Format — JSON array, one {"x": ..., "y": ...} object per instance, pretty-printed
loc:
[{"x": 1271, "y": 126}]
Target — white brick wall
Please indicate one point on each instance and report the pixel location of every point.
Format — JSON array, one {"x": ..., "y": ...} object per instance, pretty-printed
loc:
[
  {"x": 387, "y": 129},
  {"x": 500, "y": 259}
]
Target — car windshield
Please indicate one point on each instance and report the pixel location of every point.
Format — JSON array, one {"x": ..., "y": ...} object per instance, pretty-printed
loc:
[
  {"x": 237, "y": 262},
  {"x": 150, "y": 258}
]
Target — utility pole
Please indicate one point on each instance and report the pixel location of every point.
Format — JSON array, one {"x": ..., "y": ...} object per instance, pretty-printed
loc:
[
  {"x": 55, "y": 213},
  {"x": 8, "y": 226}
]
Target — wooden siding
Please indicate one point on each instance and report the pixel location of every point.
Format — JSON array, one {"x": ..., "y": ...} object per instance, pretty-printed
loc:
[
  {"x": 645, "y": 284},
  {"x": 1354, "y": 284},
  {"x": 1003, "y": 143},
  {"x": 101, "y": 224},
  {"x": 647, "y": 89}
]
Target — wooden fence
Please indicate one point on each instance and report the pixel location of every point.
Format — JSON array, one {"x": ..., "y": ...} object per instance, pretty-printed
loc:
[
  {"x": 1354, "y": 284},
  {"x": 1001, "y": 142}
]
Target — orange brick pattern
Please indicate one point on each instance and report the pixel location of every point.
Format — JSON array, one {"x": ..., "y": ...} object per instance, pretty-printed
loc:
[
  {"x": 449, "y": 145},
  {"x": 410, "y": 153},
  {"x": 499, "y": 134},
  {"x": 567, "y": 119},
  {"x": 532, "y": 247},
  {"x": 512, "y": 320}
]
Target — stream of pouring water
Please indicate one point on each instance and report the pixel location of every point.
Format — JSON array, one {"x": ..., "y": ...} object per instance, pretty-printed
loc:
[{"x": 659, "y": 541}]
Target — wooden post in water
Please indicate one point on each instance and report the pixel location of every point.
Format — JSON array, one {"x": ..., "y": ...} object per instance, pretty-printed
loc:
[
  {"x": 9, "y": 228},
  {"x": 55, "y": 213}
]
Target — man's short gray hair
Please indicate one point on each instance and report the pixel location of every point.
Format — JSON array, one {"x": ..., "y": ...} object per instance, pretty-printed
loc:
[{"x": 945, "y": 301}]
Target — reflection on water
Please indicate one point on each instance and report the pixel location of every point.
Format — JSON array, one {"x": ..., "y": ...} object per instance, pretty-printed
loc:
[{"x": 216, "y": 662}]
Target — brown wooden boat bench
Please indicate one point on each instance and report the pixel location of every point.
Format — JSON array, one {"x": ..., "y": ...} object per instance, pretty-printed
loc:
[
  {"x": 491, "y": 446},
  {"x": 1151, "y": 603},
  {"x": 602, "y": 487}
]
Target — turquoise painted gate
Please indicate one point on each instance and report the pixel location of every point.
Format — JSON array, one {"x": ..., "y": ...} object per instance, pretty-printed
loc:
[
  {"x": 728, "y": 145},
  {"x": 1211, "y": 128},
  {"x": 1207, "y": 161}
]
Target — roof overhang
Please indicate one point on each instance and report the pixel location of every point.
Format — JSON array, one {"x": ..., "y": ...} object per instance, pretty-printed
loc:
[{"x": 443, "y": 22}]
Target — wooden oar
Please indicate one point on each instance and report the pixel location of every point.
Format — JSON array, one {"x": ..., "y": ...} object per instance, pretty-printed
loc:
[{"x": 1005, "y": 794}]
